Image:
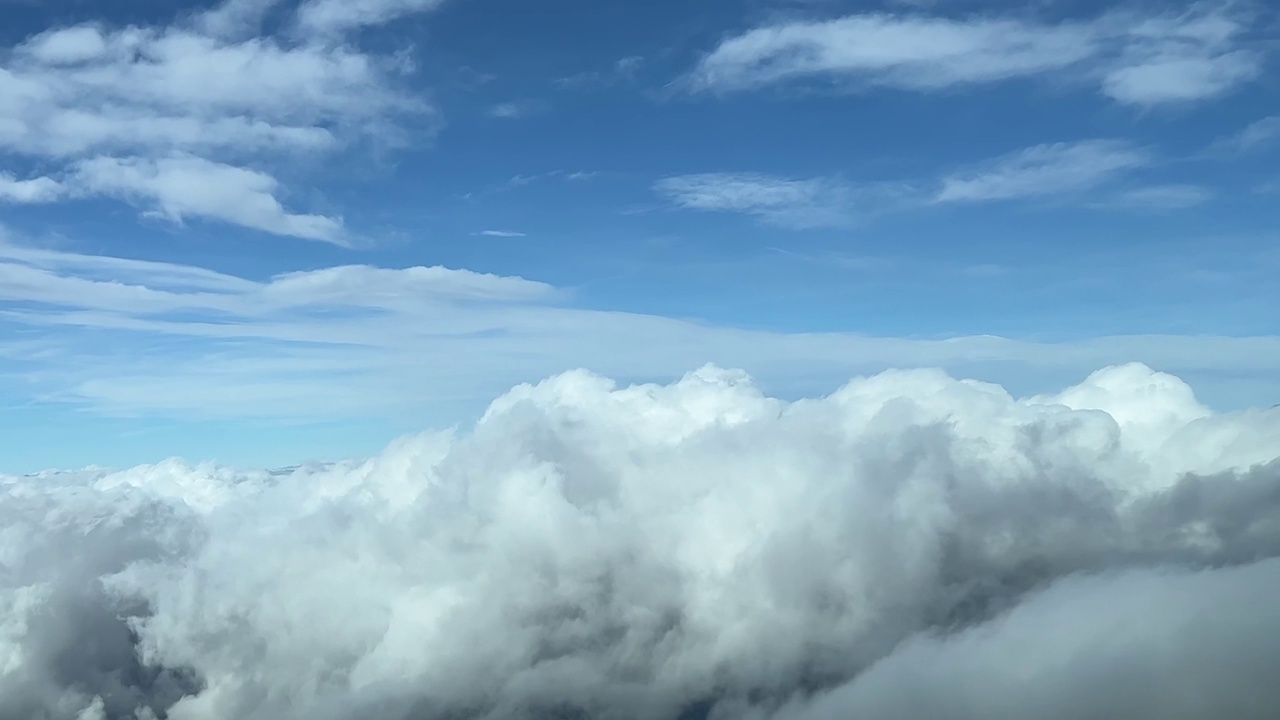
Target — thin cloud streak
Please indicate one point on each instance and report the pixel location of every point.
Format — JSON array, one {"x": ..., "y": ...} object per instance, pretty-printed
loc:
[
  {"x": 1041, "y": 170},
  {"x": 397, "y": 337},
  {"x": 1132, "y": 59}
]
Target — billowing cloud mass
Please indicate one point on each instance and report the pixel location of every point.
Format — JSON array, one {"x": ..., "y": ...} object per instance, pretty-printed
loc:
[{"x": 909, "y": 546}]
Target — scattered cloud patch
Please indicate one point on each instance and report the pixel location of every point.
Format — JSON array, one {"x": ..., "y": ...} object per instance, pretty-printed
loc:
[
  {"x": 1257, "y": 135},
  {"x": 334, "y": 17},
  {"x": 1042, "y": 170},
  {"x": 29, "y": 191},
  {"x": 1133, "y": 59},
  {"x": 911, "y": 545},
  {"x": 208, "y": 88},
  {"x": 501, "y": 233},
  {"x": 786, "y": 202},
  {"x": 516, "y": 109},
  {"x": 516, "y": 181},
  {"x": 623, "y": 70},
  {"x": 1164, "y": 197},
  {"x": 183, "y": 186},
  {"x": 1182, "y": 58}
]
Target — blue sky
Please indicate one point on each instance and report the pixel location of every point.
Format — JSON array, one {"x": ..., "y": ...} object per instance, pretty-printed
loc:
[{"x": 266, "y": 231}]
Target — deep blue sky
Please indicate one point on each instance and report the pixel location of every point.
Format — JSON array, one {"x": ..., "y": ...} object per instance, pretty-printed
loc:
[{"x": 635, "y": 188}]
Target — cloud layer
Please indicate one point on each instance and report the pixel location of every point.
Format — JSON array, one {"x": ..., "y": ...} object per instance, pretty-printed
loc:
[
  {"x": 163, "y": 340},
  {"x": 909, "y": 544}
]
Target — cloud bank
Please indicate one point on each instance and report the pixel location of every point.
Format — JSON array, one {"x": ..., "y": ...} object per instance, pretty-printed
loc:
[{"x": 911, "y": 545}]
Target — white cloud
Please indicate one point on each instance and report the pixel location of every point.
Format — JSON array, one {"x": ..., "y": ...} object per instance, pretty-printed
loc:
[
  {"x": 622, "y": 70},
  {"x": 1193, "y": 56},
  {"x": 908, "y": 546},
  {"x": 1051, "y": 169},
  {"x": 183, "y": 186},
  {"x": 137, "y": 338},
  {"x": 326, "y": 17},
  {"x": 523, "y": 180},
  {"x": 1164, "y": 197},
  {"x": 501, "y": 233},
  {"x": 1134, "y": 59},
  {"x": 516, "y": 109},
  {"x": 210, "y": 88},
  {"x": 910, "y": 52},
  {"x": 147, "y": 289},
  {"x": 33, "y": 190},
  {"x": 1255, "y": 136},
  {"x": 787, "y": 202}
]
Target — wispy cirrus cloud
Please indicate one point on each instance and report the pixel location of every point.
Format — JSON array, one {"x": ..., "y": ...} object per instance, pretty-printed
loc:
[
  {"x": 622, "y": 70},
  {"x": 1049, "y": 169},
  {"x": 330, "y": 17},
  {"x": 1052, "y": 169},
  {"x": 1164, "y": 197},
  {"x": 1132, "y": 59},
  {"x": 1259, "y": 134},
  {"x": 500, "y": 233},
  {"x": 516, "y": 109},
  {"x": 782, "y": 201},
  {"x": 206, "y": 93}
]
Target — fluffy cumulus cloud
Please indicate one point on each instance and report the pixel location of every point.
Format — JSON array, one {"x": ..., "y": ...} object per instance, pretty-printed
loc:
[
  {"x": 159, "y": 115},
  {"x": 1142, "y": 60},
  {"x": 909, "y": 546}
]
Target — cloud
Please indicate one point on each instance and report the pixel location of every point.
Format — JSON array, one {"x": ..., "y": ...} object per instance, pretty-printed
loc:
[
  {"x": 1255, "y": 136},
  {"x": 501, "y": 233},
  {"x": 210, "y": 89},
  {"x": 910, "y": 52},
  {"x": 786, "y": 202},
  {"x": 1136, "y": 644},
  {"x": 1193, "y": 56},
  {"x": 622, "y": 70},
  {"x": 910, "y": 545},
  {"x": 516, "y": 181},
  {"x": 516, "y": 109},
  {"x": 139, "y": 339},
  {"x": 235, "y": 19},
  {"x": 1041, "y": 170},
  {"x": 33, "y": 190},
  {"x": 184, "y": 186},
  {"x": 1051, "y": 169},
  {"x": 1164, "y": 197},
  {"x": 1133, "y": 59},
  {"x": 155, "y": 289},
  {"x": 325, "y": 17}
]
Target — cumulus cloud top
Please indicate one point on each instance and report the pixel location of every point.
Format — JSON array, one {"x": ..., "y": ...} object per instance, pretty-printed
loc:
[{"x": 910, "y": 546}]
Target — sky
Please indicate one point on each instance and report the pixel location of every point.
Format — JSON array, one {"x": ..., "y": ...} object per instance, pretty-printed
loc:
[{"x": 263, "y": 232}]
